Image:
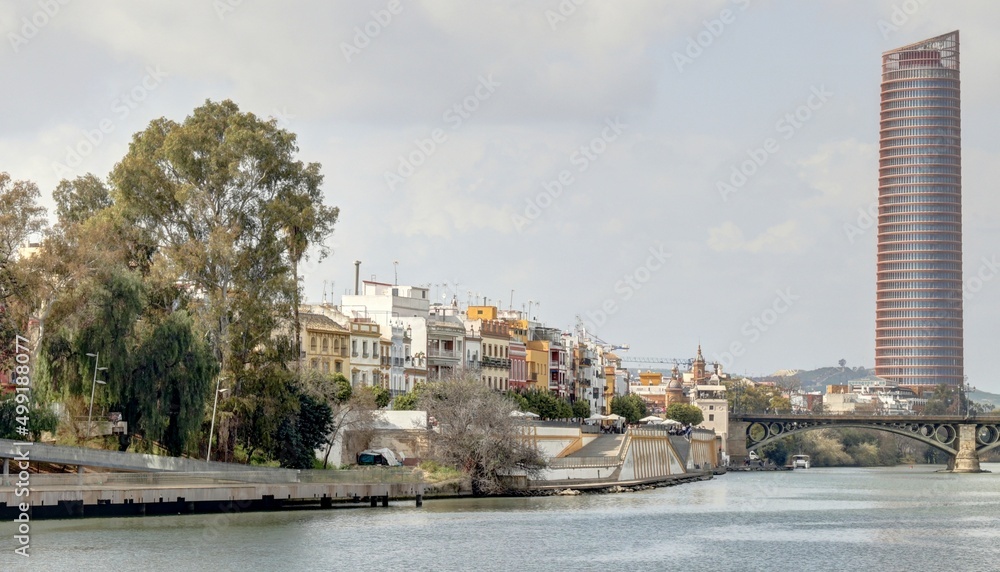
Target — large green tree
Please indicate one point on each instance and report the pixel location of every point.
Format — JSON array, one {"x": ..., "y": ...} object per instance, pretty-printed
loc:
[{"x": 231, "y": 211}]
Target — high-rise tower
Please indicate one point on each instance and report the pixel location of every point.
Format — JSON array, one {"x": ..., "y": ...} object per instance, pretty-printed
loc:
[{"x": 918, "y": 324}]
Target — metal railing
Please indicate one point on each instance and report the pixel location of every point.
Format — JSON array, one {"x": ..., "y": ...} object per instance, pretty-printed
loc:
[{"x": 583, "y": 462}]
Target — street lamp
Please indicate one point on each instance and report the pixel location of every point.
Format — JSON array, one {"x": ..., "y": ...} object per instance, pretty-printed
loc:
[
  {"x": 211, "y": 429},
  {"x": 93, "y": 387}
]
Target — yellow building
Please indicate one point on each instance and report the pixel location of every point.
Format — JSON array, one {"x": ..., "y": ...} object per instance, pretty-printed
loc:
[
  {"x": 538, "y": 365},
  {"x": 481, "y": 312},
  {"x": 324, "y": 344}
]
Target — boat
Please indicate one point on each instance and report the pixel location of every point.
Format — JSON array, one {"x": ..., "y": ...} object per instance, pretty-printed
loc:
[{"x": 800, "y": 461}]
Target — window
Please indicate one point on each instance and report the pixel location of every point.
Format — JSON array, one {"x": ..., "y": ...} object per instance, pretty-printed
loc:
[
  {"x": 711, "y": 417},
  {"x": 326, "y": 344},
  {"x": 338, "y": 366},
  {"x": 312, "y": 343}
]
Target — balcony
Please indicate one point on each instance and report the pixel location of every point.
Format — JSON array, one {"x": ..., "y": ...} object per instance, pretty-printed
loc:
[
  {"x": 439, "y": 353},
  {"x": 496, "y": 363}
]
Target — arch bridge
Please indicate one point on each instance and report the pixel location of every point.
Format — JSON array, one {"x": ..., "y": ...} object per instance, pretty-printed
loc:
[{"x": 963, "y": 438}]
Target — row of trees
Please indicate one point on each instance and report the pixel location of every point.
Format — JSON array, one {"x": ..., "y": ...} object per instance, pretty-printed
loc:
[{"x": 177, "y": 269}]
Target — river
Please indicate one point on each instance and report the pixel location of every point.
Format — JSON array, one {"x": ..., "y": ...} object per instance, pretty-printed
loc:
[{"x": 883, "y": 519}]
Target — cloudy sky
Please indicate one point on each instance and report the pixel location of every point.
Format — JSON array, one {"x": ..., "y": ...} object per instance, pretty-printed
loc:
[{"x": 671, "y": 172}]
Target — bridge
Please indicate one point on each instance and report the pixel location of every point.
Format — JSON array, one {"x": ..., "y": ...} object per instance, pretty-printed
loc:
[{"x": 962, "y": 438}]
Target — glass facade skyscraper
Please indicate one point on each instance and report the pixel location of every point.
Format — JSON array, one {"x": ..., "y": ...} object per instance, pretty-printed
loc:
[{"x": 918, "y": 324}]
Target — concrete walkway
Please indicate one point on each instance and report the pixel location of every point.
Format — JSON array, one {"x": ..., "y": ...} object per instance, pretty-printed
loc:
[
  {"x": 602, "y": 446},
  {"x": 119, "y": 461}
]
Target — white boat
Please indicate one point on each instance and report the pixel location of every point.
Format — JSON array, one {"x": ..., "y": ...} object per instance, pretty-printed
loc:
[{"x": 800, "y": 461}]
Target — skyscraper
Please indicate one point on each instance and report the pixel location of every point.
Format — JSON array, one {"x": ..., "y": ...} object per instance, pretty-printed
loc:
[{"x": 918, "y": 324}]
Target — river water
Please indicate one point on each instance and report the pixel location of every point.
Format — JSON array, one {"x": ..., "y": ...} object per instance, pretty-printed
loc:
[{"x": 881, "y": 519}]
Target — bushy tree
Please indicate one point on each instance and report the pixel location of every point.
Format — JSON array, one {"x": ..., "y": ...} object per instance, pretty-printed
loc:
[
  {"x": 685, "y": 413},
  {"x": 477, "y": 434},
  {"x": 581, "y": 408},
  {"x": 300, "y": 435},
  {"x": 39, "y": 419},
  {"x": 631, "y": 407},
  {"x": 547, "y": 405}
]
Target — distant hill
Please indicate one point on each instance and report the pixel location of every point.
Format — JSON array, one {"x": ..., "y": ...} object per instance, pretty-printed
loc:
[
  {"x": 979, "y": 396},
  {"x": 818, "y": 379}
]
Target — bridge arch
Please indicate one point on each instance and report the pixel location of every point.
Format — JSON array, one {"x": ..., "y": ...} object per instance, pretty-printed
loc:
[{"x": 942, "y": 436}]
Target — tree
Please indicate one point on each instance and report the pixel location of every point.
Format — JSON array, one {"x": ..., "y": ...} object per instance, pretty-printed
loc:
[
  {"x": 547, "y": 405},
  {"x": 382, "y": 396},
  {"x": 941, "y": 401},
  {"x": 685, "y": 413},
  {"x": 217, "y": 193},
  {"x": 842, "y": 363},
  {"x": 301, "y": 435},
  {"x": 80, "y": 199},
  {"x": 477, "y": 434},
  {"x": 40, "y": 419},
  {"x": 351, "y": 409},
  {"x": 407, "y": 401},
  {"x": 631, "y": 407},
  {"x": 581, "y": 408},
  {"x": 20, "y": 217}
]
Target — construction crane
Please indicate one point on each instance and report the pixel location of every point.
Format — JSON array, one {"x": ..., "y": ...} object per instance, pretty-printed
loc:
[
  {"x": 581, "y": 329},
  {"x": 647, "y": 360}
]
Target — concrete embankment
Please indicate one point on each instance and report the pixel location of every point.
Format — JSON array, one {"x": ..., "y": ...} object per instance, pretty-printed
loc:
[{"x": 117, "y": 494}]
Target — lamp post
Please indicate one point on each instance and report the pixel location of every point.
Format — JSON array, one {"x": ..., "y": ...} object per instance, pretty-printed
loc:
[
  {"x": 93, "y": 388},
  {"x": 211, "y": 430}
]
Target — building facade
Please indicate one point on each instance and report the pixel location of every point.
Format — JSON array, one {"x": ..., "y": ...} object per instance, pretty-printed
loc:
[
  {"x": 366, "y": 362},
  {"x": 918, "y": 324},
  {"x": 324, "y": 344}
]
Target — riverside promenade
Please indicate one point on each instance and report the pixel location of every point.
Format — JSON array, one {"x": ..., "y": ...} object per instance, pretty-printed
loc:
[
  {"x": 149, "y": 484},
  {"x": 120, "y": 494}
]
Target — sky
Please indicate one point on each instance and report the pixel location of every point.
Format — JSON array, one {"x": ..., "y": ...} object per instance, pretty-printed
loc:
[{"x": 672, "y": 173}]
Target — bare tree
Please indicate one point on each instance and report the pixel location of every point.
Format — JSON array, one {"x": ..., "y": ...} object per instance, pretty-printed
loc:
[
  {"x": 477, "y": 434},
  {"x": 354, "y": 410}
]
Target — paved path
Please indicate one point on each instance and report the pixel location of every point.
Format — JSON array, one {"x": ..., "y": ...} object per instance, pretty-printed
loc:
[
  {"x": 80, "y": 456},
  {"x": 603, "y": 446}
]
